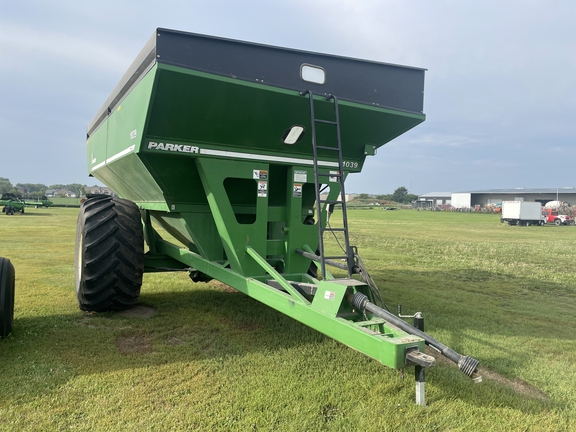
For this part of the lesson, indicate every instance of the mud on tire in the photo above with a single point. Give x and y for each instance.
(109, 254)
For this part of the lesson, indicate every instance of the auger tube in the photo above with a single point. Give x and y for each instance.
(466, 364)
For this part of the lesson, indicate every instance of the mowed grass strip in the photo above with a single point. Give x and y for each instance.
(205, 357)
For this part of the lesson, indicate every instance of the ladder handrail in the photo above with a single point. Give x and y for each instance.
(340, 176)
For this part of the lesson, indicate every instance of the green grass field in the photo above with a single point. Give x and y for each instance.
(66, 202)
(209, 358)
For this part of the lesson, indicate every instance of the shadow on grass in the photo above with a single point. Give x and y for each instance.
(504, 321)
(211, 324)
(32, 213)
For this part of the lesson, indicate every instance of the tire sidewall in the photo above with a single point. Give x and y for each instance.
(100, 256)
(7, 281)
(79, 250)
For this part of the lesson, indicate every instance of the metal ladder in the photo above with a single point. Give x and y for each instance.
(325, 227)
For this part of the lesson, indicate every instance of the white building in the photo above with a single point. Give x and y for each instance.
(486, 197)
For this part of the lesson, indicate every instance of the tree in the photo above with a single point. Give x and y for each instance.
(5, 185)
(32, 189)
(36, 195)
(77, 188)
(399, 194)
(384, 197)
(410, 197)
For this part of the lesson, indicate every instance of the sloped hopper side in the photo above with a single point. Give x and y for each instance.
(198, 118)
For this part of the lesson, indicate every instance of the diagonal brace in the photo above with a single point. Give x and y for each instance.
(277, 276)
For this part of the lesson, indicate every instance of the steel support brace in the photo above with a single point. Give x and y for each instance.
(277, 277)
(309, 250)
(388, 347)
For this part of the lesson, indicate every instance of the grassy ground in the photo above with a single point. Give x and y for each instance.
(66, 202)
(204, 357)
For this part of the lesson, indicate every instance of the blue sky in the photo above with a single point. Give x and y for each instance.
(500, 89)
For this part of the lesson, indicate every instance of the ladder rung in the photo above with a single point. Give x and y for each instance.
(337, 177)
(327, 148)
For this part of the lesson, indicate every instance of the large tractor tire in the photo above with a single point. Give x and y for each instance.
(109, 254)
(6, 296)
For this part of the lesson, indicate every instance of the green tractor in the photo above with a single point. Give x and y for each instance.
(240, 152)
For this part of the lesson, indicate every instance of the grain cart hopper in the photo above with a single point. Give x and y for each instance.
(226, 145)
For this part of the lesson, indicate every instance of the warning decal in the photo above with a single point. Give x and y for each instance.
(262, 188)
(297, 190)
(300, 176)
(260, 174)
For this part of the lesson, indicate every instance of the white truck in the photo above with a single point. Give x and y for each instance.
(522, 213)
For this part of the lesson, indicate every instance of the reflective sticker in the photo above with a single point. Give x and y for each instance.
(329, 295)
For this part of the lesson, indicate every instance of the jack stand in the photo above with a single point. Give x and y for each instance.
(419, 371)
(420, 375)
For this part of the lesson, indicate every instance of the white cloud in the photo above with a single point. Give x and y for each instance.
(21, 46)
(443, 140)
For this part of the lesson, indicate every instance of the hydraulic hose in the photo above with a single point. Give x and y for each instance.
(466, 364)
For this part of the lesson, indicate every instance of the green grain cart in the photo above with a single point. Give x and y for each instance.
(240, 151)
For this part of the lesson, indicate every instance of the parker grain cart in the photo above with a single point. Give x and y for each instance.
(227, 145)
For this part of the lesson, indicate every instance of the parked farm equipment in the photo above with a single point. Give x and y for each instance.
(37, 203)
(11, 204)
(227, 146)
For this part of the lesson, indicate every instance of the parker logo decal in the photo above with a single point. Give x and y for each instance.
(180, 148)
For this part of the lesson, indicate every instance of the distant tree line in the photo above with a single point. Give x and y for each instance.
(400, 195)
(37, 190)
